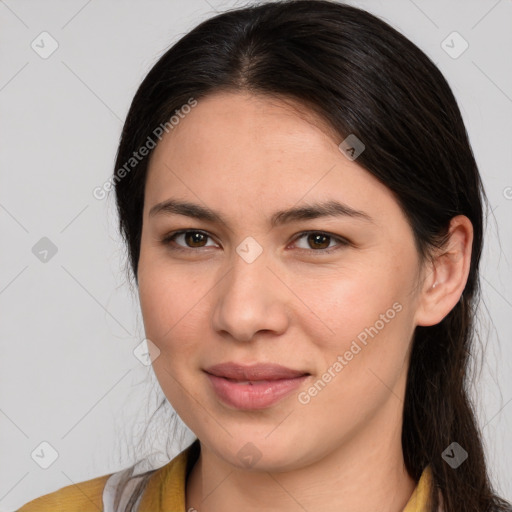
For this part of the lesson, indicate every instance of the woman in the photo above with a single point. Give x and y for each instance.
(303, 217)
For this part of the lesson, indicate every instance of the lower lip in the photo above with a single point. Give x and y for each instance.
(258, 395)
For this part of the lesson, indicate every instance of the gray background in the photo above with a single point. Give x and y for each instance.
(69, 325)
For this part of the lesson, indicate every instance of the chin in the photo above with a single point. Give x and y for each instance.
(253, 451)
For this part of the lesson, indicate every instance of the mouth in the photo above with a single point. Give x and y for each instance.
(253, 387)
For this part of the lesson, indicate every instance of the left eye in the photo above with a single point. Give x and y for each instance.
(318, 241)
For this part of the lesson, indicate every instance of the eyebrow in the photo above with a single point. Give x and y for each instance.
(330, 208)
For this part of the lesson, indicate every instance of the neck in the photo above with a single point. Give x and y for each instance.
(365, 473)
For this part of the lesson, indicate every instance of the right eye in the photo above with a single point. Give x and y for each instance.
(194, 237)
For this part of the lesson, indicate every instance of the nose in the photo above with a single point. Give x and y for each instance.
(250, 299)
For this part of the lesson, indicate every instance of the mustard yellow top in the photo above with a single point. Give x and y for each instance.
(165, 491)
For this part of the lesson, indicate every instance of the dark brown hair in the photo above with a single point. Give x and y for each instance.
(363, 78)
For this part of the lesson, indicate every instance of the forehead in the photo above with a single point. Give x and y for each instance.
(236, 148)
(226, 125)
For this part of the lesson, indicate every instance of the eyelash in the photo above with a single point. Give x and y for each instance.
(171, 237)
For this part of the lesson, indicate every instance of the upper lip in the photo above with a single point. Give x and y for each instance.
(255, 372)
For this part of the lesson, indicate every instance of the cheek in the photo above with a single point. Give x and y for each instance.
(171, 304)
(372, 326)
(351, 302)
(171, 309)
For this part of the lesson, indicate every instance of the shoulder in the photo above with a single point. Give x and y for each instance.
(80, 497)
(163, 489)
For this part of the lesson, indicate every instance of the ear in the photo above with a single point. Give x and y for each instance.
(447, 275)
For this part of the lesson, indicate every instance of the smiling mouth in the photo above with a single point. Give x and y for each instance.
(253, 394)
(254, 372)
(253, 382)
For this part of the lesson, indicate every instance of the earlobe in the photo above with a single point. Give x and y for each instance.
(445, 283)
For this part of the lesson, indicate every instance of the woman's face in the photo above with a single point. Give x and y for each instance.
(335, 306)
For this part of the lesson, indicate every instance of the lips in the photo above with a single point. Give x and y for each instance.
(255, 372)
(253, 387)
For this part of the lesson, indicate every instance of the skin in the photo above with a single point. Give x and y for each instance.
(246, 157)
